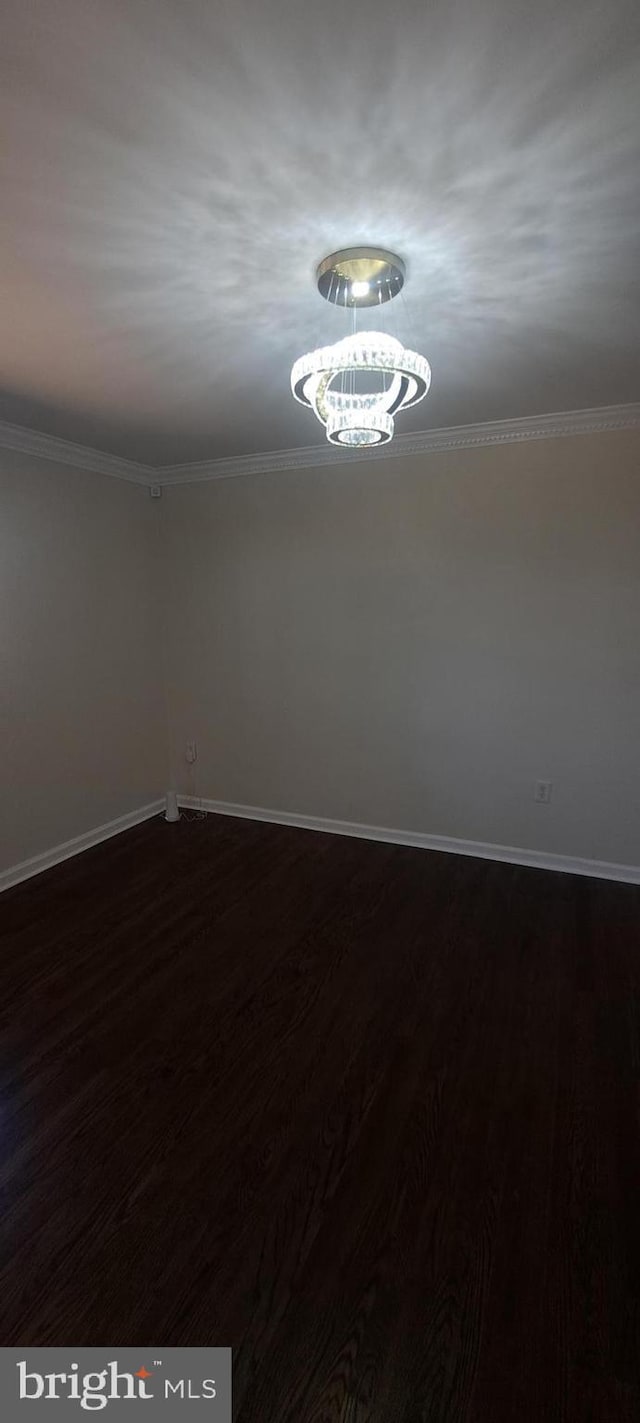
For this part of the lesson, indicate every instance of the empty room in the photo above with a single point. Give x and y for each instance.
(320, 710)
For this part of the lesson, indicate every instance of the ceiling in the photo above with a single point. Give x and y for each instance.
(173, 172)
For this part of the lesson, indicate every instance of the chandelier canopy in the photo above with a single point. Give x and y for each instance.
(356, 386)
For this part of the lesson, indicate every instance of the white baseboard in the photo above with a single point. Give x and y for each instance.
(535, 859)
(48, 858)
(478, 849)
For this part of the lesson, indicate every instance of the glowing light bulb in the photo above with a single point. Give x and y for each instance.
(359, 289)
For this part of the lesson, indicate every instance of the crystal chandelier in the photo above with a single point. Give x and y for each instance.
(357, 386)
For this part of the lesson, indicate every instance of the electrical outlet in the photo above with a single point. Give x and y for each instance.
(543, 792)
(191, 752)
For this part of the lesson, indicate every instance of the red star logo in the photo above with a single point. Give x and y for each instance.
(143, 1373)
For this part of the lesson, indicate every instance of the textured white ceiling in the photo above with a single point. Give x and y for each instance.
(173, 171)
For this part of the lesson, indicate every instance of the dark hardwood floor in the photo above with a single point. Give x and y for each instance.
(368, 1114)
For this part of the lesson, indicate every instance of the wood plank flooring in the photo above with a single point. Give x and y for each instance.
(368, 1114)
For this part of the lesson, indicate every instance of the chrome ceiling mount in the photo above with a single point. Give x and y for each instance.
(360, 276)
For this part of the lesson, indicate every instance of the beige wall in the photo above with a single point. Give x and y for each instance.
(80, 698)
(407, 644)
(412, 644)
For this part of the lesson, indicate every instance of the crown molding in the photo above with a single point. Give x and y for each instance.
(49, 447)
(457, 437)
